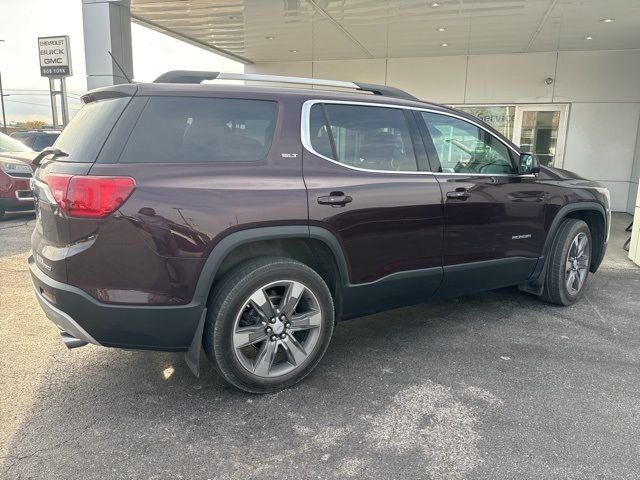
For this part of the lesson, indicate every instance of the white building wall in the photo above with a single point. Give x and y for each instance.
(602, 87)
(635, 176)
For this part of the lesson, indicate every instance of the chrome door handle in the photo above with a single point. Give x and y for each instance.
(336, 199)
(460, 194)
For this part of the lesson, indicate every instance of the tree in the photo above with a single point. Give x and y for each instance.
(34, 124)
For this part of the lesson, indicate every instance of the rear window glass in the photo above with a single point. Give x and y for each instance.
(8, 144)
(83, 138)
(39, 142)
(202, 130)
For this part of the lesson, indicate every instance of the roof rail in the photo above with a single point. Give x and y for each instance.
(194, 76)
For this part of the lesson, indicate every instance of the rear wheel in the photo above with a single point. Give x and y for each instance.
(2, 211)
(270, 322)
(569, 263)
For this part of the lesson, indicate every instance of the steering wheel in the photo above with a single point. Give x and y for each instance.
(482, 168)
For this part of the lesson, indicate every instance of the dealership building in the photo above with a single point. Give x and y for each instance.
(559, 77)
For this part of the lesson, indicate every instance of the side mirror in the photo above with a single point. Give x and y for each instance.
(528, 164)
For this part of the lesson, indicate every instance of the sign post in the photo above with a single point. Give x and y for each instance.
(55, 64)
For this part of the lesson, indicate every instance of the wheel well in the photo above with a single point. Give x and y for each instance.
(313, 253)
(595, 222)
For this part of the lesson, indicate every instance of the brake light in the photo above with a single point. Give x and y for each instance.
(89, 196)
(58, 185)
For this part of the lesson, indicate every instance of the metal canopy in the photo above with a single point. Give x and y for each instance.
(293, 30)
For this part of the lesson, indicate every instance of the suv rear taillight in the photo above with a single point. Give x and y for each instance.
(89, 196)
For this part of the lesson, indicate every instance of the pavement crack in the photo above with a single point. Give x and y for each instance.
(599, 315)
(18, 458)
(15, 226)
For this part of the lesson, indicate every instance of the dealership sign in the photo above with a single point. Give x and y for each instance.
(55, 57)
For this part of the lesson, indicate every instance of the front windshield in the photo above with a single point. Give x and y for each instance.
(8, 144)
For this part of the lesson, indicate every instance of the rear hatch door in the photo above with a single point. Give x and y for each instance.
(58, 235)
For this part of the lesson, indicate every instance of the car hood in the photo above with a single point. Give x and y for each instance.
(24, 157)
(558, 174)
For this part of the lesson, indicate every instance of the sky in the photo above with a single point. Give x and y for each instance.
(23, 21)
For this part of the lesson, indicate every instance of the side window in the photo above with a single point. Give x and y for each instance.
(464, 148)
(41, 142)
(373, 138)
(202, 130)
(320, 140)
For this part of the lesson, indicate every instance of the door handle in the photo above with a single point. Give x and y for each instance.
(335, 199)
(459, 193)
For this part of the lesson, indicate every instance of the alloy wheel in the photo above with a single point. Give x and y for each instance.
(277, 328)
(577, 264)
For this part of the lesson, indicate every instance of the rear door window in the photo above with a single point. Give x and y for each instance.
(202, 130)
(372, 138)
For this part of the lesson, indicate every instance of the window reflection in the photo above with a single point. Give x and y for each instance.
(539, 134)
(500, 117)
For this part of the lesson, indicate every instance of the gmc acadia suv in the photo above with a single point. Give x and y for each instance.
(248, 220)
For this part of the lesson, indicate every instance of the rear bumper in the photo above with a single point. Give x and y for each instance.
(19, 201)
(64, 322)
(124, 326)
(15, 193)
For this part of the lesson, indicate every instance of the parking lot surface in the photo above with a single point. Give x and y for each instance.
(493, 385)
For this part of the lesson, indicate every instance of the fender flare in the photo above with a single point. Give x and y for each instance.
(250, 235)
(242, 237)
(535, 280)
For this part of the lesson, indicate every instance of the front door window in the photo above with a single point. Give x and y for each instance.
(462, 147)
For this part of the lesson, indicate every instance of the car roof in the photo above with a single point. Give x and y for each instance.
(215, 89)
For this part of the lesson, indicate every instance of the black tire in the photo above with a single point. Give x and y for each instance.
(230, 297)
(556, 289)
(2, 212)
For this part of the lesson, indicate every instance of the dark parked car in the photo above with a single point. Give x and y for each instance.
(37, 140)
(15, 173)
(248, 220)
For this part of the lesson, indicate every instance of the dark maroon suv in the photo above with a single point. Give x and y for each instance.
(248, 220)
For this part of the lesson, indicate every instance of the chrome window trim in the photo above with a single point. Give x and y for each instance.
(519, 175)
(24, 199)
(305, 136)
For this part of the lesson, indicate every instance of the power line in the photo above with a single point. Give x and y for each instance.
(73, 96)
(34, 95)
(37, 90)
(37, 104)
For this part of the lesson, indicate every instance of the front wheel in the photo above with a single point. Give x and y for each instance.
(270, 322)
(569, 263)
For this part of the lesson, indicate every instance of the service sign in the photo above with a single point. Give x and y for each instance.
(55, 57)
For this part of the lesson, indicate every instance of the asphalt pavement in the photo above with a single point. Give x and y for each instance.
(496, 385)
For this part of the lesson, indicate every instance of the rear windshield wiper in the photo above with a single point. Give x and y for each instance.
(56, 152)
